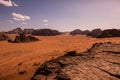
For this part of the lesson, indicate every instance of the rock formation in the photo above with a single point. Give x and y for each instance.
(79, 32)
(101, 62)
(23, 38)
(45, 32)
(86, 32)
(15, 31)
(95, 33)
(76, 32)
(110, 33)
(28, 31)
(3, 37)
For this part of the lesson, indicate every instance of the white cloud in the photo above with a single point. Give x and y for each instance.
(10, 21)
(46, 24)
(45, 21)
(15, 4)
(24, 23)
(19, 17)
(8, 3)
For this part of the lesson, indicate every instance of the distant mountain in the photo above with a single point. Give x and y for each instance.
(110, 33)
(86, 32)
(95, 32)
(16, 31)
(79, 32)
(28, 31)
(45, 32)
(76, 32)
(41, 32)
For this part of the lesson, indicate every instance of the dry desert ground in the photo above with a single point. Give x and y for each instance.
(19, 61)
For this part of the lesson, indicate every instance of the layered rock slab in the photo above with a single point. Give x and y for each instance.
(101, 62)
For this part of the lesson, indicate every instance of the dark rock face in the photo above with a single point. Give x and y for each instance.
(16, 31)
(110, 33)
(79, 32)
(3, 37)
(101, 62)
(45, 32)
(95, 33)
(76, 32)
(86, 32)
(23, 38)
(28, 31)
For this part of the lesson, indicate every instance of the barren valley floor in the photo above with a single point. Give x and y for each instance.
(18, 61)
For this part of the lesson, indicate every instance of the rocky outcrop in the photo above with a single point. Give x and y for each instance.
(101, 62)
(23, 38)
(45, 32)
(28, 31)
(3, 37)
(95, 33)
(76, 32)
(86, 32)
(15, 31)
(110, 33)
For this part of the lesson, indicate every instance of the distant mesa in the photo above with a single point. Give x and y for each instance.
(28, 31)
(45, 32)
(37, 32)
(76, 32)
(95, 32)
(79, 32)
(109, 33)
(23, 38)
(3, 37)
(15, 31)
(86, 32)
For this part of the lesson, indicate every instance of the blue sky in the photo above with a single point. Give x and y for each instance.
(63, 15)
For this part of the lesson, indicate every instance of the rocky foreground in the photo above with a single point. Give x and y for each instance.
(101, 62)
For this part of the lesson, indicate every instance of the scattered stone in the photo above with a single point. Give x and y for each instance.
(22, 72)
(71, 53)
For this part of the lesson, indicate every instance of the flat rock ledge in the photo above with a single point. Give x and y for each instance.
(100, 62)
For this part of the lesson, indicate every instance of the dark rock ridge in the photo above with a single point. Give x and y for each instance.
(86, 32)
(3, 37)
(101, 62)
(76, 32)
(28, 31)
(15, 31)
(110, 33)
(37, 32)
(45, 32)
(23, 38)
(95, 33)
(79, 32)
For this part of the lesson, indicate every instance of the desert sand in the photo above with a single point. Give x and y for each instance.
(19, 61)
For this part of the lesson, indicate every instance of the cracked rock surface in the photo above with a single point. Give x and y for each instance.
(101, 62)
